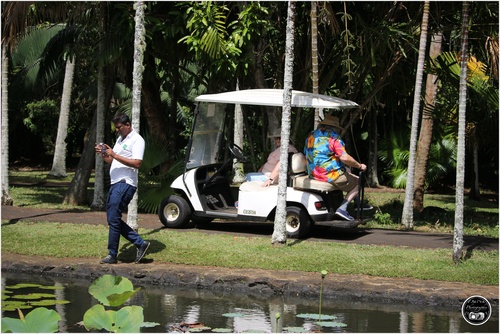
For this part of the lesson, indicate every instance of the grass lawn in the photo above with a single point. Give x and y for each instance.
(481, 218)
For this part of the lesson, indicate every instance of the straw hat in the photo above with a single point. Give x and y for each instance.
(277, 133)
(332, 121)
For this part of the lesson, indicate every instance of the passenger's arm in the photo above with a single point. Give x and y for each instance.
(351, 162)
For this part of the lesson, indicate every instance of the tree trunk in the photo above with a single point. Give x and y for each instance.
(77, 190)
(407, 218)
(239, 173)
(279, 233)
(458, 233)
(6, 199)
(139, 48)
(425, 138)
(318, 114)
(372, 174)
(99, 200)
(475, 191)
(59, 162)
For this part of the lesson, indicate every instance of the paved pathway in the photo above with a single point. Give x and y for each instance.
(360, 235)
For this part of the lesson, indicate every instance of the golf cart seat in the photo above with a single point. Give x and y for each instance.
(300, 178)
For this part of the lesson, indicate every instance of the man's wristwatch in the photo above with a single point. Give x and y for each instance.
(272, 180)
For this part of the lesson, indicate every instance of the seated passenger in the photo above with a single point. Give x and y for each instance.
(328, 161)
(268, 173)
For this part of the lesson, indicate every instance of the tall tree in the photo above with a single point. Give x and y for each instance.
(458, 237)
(99, 200)
(407, 218)
(425, 138)
(138, 70)
(239, 173)
(6, 199)
(59, 160)
(314, 58)
(279, 233)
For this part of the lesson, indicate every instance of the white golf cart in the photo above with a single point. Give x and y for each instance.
(203, 192)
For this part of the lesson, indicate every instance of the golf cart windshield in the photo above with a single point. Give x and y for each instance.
(207, 135)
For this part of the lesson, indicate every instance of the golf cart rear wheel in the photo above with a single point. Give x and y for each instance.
(297, 223)
(174, 212)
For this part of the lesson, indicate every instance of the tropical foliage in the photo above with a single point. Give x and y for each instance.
(366, 51)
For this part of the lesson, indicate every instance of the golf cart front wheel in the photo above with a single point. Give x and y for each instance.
(174, 212)
(297, 223)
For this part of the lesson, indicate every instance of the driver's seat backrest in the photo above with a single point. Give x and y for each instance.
(298, 163)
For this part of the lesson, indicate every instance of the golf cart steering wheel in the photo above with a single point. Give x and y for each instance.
(237, 152)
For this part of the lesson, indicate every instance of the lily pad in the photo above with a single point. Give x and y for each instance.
(199, 329)
(315, 316)
(12, 305)
(222, 330)
(49, 302)
(40, 320)
(23, 285)
(330, 324)
(34, 296)
(112, 290)
(296, 330)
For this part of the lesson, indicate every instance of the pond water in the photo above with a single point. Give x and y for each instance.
(170, 306)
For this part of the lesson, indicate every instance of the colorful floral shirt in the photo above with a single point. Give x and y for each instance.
(323, 150)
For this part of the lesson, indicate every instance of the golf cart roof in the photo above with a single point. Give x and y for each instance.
(274, 97)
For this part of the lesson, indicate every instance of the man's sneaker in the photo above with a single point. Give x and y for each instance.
(109, 260)
(344, 214)
(141, 251)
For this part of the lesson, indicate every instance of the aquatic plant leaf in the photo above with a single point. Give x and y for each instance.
(296, 330)
(222, 330)
(54, 287)
(199, 329)
(49, 302)
(129, 319)
(108, 285)
(118, 299)
(34, 296)
(40, 320)
(12, 305)
(23, 285)
(98, 318)
(151, 324)
(315, 316)
(330, 324)
(233, 315)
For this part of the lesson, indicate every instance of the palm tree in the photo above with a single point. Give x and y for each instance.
(425, 138)
(407, 218)
(279, 233)
(139, 48)
(314, 57)
(59, 161)
(458, 237)
(6, 199)
(99, 200)
(239, 173)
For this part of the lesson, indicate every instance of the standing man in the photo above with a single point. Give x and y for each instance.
(327, 160)
(125, 159)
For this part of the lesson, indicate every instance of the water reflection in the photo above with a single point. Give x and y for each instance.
(171, 306)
